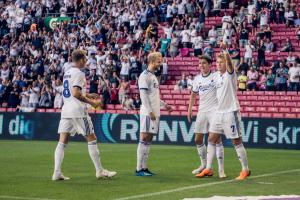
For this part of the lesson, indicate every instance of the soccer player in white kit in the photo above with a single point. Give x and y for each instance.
(149, 112)
(227, 119)
(204, 84)
(75, 118)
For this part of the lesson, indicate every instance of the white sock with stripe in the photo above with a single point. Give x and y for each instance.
(141, 152)
(95, 155)
(59, 156)
(242, 155)
(146, 155)
(202, 154)
(220, 156)
(211, 152)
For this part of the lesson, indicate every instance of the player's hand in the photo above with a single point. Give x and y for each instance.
(190, 116)
(152, 116)
(169, 108)
(96, 103)
(94, 96)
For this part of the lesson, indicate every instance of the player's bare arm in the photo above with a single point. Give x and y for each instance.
(165, 106)
(76, 92)
(190, 108)
(229, 65)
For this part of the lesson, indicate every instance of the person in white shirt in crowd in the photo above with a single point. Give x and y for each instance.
(5, 71)
(190, 81)
(226, 22)
(125, 67)
(185, 36)
(34, 95)
(57, 90)
(164, 71)
(289, 17)
(213, 34)
(197, 44)
(263, 19)
(227, 35)
(290, 59)
(249, 52)
(92, 61)
(127, 103)
(294, 76)
(24, 97)
(251, 11)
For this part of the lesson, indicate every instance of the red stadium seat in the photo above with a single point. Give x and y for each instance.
(290, 115)
(279, 103)
(266, 115)
(58, 110)
(110, 106)
(249, 109)
(272, 109)
(277, 115)
(3, 109)
(291, 104)
(253, 114)
(176, 113)
(295, 110)
(100, 111)
(261, 109)
(41, 110)
(50, 110)
(284, 109)
(244, 114)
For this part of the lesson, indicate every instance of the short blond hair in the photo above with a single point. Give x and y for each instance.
(78, 54)
(152, 57)
(221, 56)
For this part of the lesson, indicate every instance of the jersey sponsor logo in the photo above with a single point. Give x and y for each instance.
(209, 86)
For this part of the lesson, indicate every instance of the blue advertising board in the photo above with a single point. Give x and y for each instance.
(119, 128)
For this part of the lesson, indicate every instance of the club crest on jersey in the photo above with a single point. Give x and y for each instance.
(155, 85)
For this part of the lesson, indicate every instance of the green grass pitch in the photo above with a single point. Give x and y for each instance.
(26, 168)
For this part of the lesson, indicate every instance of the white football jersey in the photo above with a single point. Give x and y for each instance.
(205, 86)
(227, 92)
(148, 81)
(73, 108)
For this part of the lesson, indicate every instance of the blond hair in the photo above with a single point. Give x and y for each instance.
(152, 57)
(78, 54)
(221, 56)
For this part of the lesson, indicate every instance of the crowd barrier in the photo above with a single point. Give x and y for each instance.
(176, 130)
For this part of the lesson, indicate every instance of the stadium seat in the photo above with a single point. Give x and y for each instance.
(254, 114)
(50, 110)
(266, 115)
(277, 115)
(41, 110)
(290, 115)
(3, 109)
(11, 109)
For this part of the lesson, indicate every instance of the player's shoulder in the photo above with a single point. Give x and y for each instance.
(146, 74)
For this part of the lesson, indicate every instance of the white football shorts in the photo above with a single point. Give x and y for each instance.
(83, 126)
(147, 125)
(204, 121)
(228, 124)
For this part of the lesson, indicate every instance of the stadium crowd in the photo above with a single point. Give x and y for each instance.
(118, 35)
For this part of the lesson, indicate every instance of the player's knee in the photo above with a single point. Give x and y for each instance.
(64, 138)
(237, 141)
(91, 137)
(198, 139)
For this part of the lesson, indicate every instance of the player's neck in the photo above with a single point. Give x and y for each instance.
(151, 68)
(205, 74)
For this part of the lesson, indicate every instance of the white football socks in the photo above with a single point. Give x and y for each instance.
(242, 155)
(94, 154)
(220, 156)
(59, 156)
(202, 154)
(141, 149)
(211, 152)
(146, 156)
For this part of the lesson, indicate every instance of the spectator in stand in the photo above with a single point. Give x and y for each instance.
(137, 102)
(24, 96)
(94, 82)
(263, 19)
(235, 55)
(244, 34)
(270, 85)
(281, 77)
(290, 59)
(227, 35)
(261, 57)
(34, 94)
(289, 17)
(190, 81)
(197, 44)
(46, 97)
(57, 91)
(273, 14)
(242, 80)
(127, 103)
(253, 78)
(114, 94)
(164, 71)
(294, 77)
(201, 21)
(14, 99)
(125, 68)
(281, 12)
(226, 22)
(182, 83)
(249, 52)
(288, 46)
(123, 89)
(173, 50)
(212, 35)
(243, 66)
(262, 82)
(269, 46)
(164, 45)
(297, 20)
